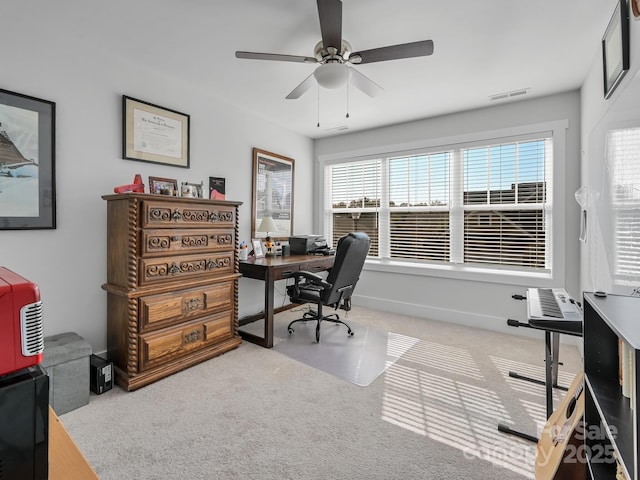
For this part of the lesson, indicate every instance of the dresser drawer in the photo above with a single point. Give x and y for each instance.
(163, 214)
(166, 309)
(183, 240)
(171, 343)
(163, 269)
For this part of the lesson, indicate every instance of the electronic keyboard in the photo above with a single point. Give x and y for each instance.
(553, 309)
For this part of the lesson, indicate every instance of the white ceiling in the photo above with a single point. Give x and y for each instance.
(481, 48)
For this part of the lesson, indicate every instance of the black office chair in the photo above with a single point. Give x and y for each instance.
(351, 253)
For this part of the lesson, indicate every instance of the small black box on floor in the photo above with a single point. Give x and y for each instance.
(101, 374)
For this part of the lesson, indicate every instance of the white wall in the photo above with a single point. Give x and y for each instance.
(43, 56)
(599, 115)
(482, 301)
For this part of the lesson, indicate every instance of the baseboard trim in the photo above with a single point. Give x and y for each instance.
(459, 317)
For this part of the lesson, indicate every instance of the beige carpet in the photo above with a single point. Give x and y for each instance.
(254, 413)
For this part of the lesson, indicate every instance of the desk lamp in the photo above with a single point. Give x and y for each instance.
(268, 225)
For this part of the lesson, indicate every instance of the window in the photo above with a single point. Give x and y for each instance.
(354, 192)
(419, 207)
(624, 162)
(504, 204)
(486, 204)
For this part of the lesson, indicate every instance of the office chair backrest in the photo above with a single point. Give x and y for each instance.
(351, 253)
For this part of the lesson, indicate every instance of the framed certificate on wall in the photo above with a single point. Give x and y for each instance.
(154, 134)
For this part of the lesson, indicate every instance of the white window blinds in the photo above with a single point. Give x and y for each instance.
(355, 199)
(623, 154)
(485, 203)
(504, 203)
(419, 207)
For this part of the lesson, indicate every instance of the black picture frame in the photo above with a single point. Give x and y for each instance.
(154, 134)
(27, 154)
(615, 48)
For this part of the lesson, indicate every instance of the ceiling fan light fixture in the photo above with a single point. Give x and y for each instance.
(331, 75)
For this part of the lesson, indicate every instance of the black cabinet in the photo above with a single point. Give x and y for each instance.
(611, 418)
(24, 424)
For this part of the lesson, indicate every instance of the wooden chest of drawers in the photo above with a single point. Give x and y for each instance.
(172, 284)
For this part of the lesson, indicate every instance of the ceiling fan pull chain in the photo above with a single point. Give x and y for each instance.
(347, 116)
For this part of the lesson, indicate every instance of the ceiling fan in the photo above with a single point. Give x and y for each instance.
(334, 55)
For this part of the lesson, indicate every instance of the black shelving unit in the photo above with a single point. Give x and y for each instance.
(611, 421)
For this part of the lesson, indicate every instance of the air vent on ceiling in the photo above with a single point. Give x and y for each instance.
(340, 128)
(515, 93)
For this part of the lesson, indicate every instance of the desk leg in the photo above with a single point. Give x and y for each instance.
(267, 340)
(268, 309)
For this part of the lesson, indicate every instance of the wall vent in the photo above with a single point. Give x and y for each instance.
(337, 129)
(505, 95)
(518, 92)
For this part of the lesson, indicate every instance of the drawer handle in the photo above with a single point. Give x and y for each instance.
(176, 215)
(175, 239)
(174, 269)
(288, 272)
(192, 337)
(191, 304)
(213, 217)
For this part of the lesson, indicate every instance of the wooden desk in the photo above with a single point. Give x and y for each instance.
(269, 270)
(66, 462)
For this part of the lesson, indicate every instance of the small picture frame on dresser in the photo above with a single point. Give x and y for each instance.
(163, 186)
(191, 190)
(257, 248)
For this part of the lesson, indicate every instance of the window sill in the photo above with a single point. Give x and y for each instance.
(462, 272)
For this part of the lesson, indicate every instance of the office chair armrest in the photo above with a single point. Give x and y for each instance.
(310, 277)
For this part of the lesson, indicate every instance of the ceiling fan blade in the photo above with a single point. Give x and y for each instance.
(275, 56)
(393, 52)
(363, 83)
(297, 92)
(330, 13)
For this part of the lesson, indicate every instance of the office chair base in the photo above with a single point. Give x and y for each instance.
(326, 318)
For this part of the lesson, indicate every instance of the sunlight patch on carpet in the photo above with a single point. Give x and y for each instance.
(456, 413)
(358, 359)
(446, 358)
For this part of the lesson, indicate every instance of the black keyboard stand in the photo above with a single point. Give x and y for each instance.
(551, 352)
(555, 350)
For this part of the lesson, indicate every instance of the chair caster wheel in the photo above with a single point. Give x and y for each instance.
(290, 331)
(351, 334)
